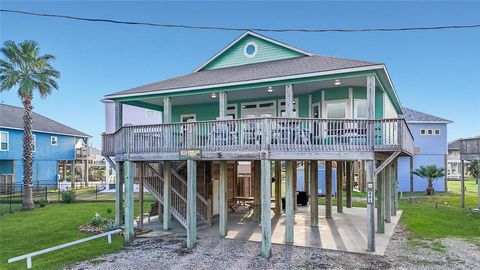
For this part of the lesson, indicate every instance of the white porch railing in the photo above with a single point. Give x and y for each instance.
(263, 134)
(29, 256)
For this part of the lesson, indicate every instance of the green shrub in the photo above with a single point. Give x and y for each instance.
(42, 202)
(110, 226)
(109, 211)
(69, 196)
(97, 220)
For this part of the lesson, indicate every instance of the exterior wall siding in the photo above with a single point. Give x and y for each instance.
(46, 156)
(321, 179)
(431, 150)
(390, 111)
(266, 51)
(131, 115)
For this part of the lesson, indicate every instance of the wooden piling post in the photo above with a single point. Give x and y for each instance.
(462, 184)
(381, 202)
(289, 211)
(129, 173)
(349, 180)
(278, 187)
(370, 181)
(167, 208)
(256, 191)
(388, 193)
(328, 189)
(119, 180)
(306, 176)
(191, 203)
(339, 194)
(140, 193)
(222, 227)
(266, 172)
(313, 193)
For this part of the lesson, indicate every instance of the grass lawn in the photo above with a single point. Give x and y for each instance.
(55, 224)
(440, 215)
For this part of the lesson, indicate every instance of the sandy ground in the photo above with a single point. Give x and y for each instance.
(169, 252)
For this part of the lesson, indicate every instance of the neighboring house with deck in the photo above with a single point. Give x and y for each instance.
(54, 144)
(260, 101)
(430, 148)
(454, 168)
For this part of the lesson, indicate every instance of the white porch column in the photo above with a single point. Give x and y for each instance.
(289, 212)
(222, 103)
(370, 179)
(129, 174)
(266, 209)
(191, 203)
(371, 96)
(167, 110)
(288, 100)
(222, 227)
(167, 209)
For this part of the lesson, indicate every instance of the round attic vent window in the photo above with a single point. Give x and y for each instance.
(250, 49)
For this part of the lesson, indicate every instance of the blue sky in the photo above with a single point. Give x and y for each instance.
(436, 72)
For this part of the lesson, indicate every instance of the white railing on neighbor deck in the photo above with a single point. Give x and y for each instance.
(29, 256)
(263, 134)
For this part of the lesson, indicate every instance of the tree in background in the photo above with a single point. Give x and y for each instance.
(429, 173)
(22, 67)
(473, 167)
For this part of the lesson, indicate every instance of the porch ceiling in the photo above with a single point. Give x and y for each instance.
(260, 93)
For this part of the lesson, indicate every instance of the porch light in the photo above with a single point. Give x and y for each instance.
(337, 82)
(270, 89)
(214, 95)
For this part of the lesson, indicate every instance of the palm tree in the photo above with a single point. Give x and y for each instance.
(430, 173)
(23, 67)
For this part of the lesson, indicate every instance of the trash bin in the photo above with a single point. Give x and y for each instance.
(283, 203)
(302, 198)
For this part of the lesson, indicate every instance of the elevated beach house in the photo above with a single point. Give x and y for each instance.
(260, 101)
(54, 147)
(429, 148)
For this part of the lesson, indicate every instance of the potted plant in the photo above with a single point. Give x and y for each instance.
(430, 173)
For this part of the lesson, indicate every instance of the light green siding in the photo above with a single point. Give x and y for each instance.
(378, 104)
(336, 93)
(203, 112)
(266, 51)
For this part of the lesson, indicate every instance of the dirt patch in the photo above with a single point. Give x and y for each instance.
(403, 252)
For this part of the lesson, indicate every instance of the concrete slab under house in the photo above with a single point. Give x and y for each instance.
(235, 132)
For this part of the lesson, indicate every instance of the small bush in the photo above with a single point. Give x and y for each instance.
(109, 211)
(69, 196)
(42, 202)
(110, 226)
(97, 220)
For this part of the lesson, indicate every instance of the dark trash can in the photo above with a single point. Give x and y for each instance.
(302, 198)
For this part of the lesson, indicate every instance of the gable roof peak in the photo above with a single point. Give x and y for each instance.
(254, 34)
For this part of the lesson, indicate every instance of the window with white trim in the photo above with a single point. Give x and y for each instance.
(53, 140)
(282, 107)
(4, 141)
(361, 108)
(430, 132)
(336, 109)
(149, 114)
(188, 118)
(232, 110)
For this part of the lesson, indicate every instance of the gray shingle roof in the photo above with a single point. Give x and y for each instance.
(257, 71)
(455, 145)
(12, 117)
(416, 116)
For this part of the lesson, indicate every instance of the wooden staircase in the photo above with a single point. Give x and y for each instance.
(153, 181)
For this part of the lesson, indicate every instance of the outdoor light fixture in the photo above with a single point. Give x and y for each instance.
(214, 95)
(337, 82)
(269, 89)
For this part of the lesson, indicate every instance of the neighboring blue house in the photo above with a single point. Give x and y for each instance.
(54, 143)
(430, 147)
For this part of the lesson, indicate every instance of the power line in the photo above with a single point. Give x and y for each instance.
(184, 26)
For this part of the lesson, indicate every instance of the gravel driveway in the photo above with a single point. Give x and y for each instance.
(169, 252)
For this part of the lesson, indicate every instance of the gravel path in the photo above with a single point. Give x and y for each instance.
(169, 252)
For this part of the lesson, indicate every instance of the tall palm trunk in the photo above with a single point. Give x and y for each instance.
(27, 203)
